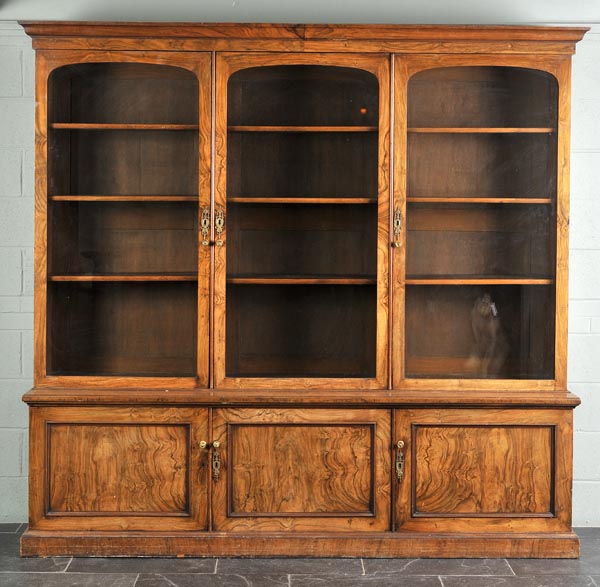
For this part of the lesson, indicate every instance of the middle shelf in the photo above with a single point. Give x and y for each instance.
(300, 280)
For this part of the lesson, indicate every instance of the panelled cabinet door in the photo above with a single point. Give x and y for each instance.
(301, 200)
(301, 470)
(483, 470)
(119, 469)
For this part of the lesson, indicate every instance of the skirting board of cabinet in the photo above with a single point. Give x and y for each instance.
(377, 545)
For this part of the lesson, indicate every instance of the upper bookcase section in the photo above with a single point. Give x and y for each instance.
(303, 37)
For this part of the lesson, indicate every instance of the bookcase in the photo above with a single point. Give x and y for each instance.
(301, 290)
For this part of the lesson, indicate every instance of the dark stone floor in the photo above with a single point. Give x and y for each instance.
(156, 572)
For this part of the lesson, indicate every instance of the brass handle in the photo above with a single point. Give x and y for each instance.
(397, 225)
(216, 460)
(400, 460)
(219, 226)
(202, 444)
(205, 226)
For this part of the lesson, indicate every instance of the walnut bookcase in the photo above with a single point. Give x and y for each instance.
(301, 290)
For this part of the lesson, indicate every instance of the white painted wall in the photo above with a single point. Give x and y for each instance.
(16, 232)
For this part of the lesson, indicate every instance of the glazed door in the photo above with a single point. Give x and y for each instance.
(482, 202)
(126, 279)
(483, 470)
(302, 221)
(301, 469)
(119, 469)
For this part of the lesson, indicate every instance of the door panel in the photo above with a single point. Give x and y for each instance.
(124, 185)
(477, 270)
(469, 470)
(302, 470)
(114, 469)
(301, 276)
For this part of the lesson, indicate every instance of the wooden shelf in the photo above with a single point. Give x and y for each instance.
(114, 126)
(78, 198)
(278, 200)
(288, 280)
(492, 280)
(126, 277)
(480, 200)
(246, 128)
(482, 130)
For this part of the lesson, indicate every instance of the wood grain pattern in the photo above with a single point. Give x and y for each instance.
(310, 38)
(176, 395)
(481, 130)
(297, 128)
(482, 470)
(284, 469)
(300, 469)
(268, 544)
(118, 469)
(524, 455)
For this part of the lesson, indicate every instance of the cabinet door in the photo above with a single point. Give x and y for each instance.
(484, 470)
(302, 469)
(123, 189)
(302, 199)
(479, 276)
(118, 469)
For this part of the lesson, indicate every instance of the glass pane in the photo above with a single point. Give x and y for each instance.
(301, 330)
(303, 95)
(301, 240)
(277, 164)
(480, 331)
(99, 238)
(145, 329)
(123, 162)
(481, 165)
(481, 217)
(122, 207)
(125, 93)
(482, 97)
(301, 235)
(480, 240)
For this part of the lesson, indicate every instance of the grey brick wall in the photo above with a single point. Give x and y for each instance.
(16, 270)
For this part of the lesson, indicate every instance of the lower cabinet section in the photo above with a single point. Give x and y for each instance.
(118, 468)
(380, 481)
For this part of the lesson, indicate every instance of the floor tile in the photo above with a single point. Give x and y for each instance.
(15, 564)
(143, 565)
(588, 564)
(534, 581)
(289, 566)
(11, 561)
(366, 581)
(168, 580)
(9, 528)
(66, 580)
(587, 532)
(438, 567)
